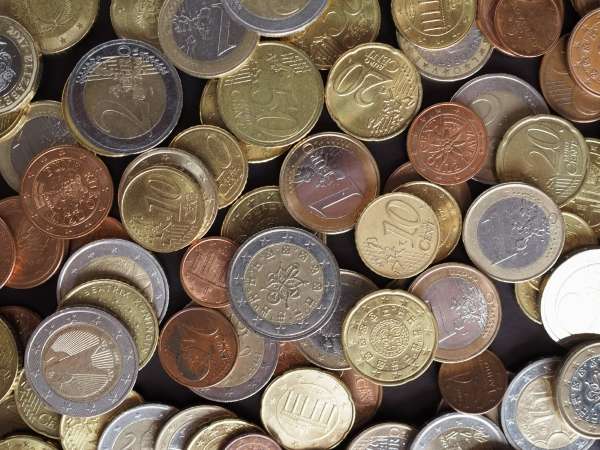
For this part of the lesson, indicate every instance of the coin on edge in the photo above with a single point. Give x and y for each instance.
(386, 435)
(252, 442)
(136, 19)
(216, 434)
(584, 61)
(24, 441)
(10, 359)
(366, 395)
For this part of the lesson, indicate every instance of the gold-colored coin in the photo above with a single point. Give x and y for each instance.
(34, 412)
(398, 235)
(528, 298)
(547, 152)
(373, 92)
(275, 99)
(434, 24)
(10, 360)
(343, 25)
(221, 153)
(136, 19)
(10, 419)
(216, 435)
(578, 233)
(125, 303)
(390, 337)
(10, 121)
(324, 420)
(446, 209)
(23, 441)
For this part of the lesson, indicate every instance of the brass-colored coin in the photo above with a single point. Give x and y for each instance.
(578, 233)
(373, 92)
(274, 99)
(221, 153)
(398, 235)
(343, 25)
(390, 337)
(36, 414)
(10, 420)
(434, 24)
(215, 435)
(446, 210)
(24, 441)
(10, 360)
(528, 298)
(546, 151)
(136, 19)
(125, 303)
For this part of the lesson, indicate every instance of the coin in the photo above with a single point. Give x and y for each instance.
(327, 180)
(215, 435)
(110, 228)
(366, 395)
(513, 232)
(123, 97)
(74, 345)
(138, 424)
(289, 100)
(289, 358)
(221, 154)
(136, 19)
(390, 337)
(284, 283)
(274, 17)
(584, 62)
(324, 347)
(485, 21)
(33, 410)
(22, 321)
(10, 360)
(9, 249)
(324, 419)
(585, 6)
(23, 441)
(252, 442)
(466, 306)
(578, 233)
(529, 416)
(500, 100)
(397, 235)
(373, 91)
(198, 347)
(384, 435)
(528, 298)
(10, 420)
(10, 121)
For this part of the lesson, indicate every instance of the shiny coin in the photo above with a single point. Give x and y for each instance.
(397, 235)
(578, 233)
(23, 441)
(528, 298)
(123, 97)
(584, 61)
(289, 100)
(33, 410)
(390, 337)
(110, 228)
(10, 420)
(466, 306)
(290, 358)
(284, 283)
(253, 442)
(585, 6)
(388, 435)
(10, 121)
(366, 395)
(22, 321)
(513, 232)
(136, 19)
(327, 180)
(8, 248)
(73, 345)
(215, 435)
(373, 92)
(325, 419)
(500, 100)
(9, 359)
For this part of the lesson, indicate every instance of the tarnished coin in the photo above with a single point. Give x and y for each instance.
(583, 59)
(324, 420)
(327, 180)
(578, 233)
(585, 6)
(136, 19)
(466, 306)
(388, 435)
(529, 416)
(528, 298)
(513, 232)
(10, 359)
(390, 337)
(397, 235)
(23, 322)
(284, 283)
(373, 92)
(36, 414)
(500, 100)
(110, 228)
(253, 442)
(215, 435)
(76, 344)
(324, 347)
(290, 358)
(366, 395)
(485, 21)
(24, 441)
(8, 248)
(10, 420)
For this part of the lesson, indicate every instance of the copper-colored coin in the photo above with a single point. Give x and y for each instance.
(528, 28)
(583, 55)
(110, 228)
(66, 192)
(253, 442)
(203, 271)
(38, 255)
(447, 143)
(198, 347)
(22, 320)
(8, 250)
(366, 395)
(289, 358)
(485, 23)
(475, 386)
(585, 6)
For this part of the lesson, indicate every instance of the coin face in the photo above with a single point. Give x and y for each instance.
(9, 121)
(529, 298)
(397, 235)
(26, 442)
(390, 337)
(7, 247)
(215, 435)
(10, 419)
(327, 180)
(110, 228)
(136, 19)
(366, 395)
(373, 92)
(275, 98)
(253, 442)
(9, 359)
(81, 361)
(323, 422)
(385, 435)
(284, 283)
(583, 61)
(36, 414)
(22, 321)
(513, 232)
(485, 21)
(578, 233)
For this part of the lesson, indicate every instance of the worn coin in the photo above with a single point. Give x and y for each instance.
(36, 414)
(387, 435)
(214, 436)
(10, 359)
(24, 441)
(585, 6)
(528, 298)
(584, 61)
(10, 420)
(110, 228)
(252, 442)
(290, 358)
(136, 19)
(366, 395)
(23, 322)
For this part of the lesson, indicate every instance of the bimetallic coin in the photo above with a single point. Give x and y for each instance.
(10, 420)
(290, 358)
(24, 441)
(10, 359)
(110, 228)
(284, 283)
(136, 19)
(373, 91)
(388, 435)
(584, 61)
(585, 6)
(22, 321)
(324, 420)
(513, 232)
(366, 395)
(253, 442)
(215, 435)
(81, 361)
(529, 298)
(390, 337)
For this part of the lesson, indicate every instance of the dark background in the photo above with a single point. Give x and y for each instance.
(519, 340)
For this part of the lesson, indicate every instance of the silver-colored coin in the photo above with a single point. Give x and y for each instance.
(120, 260)
(529, 416)
(81, 361)
(388, 436)
(324, 347)
(284, 283)
(457, 430)
(136, 428)
(500, 100)
(275, 17)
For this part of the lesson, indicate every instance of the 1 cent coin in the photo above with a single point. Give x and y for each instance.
(9, 251)
(583, 55)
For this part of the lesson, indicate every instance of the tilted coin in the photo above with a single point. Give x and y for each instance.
(290, 358)
(578, 233)
(10, 420)
(10, 121)
(485, 21)
(24, 441)
(36, 414)
(366, 395)
(513, 232)
(528, 298)
(284, 283)
(10, 359)
(110, 228)
(373, 91)
(585, 6)
(307, 408)
(215, 435)
(390, 337)
(136, 19)
(584, 62)
(252, 442)
(384, 435)
(23, 322)
(8, 248)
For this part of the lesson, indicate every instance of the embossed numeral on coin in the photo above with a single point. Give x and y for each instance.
(362, 83)
(167, 197)
(337, 19)
(545, 143)
(403, 220)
